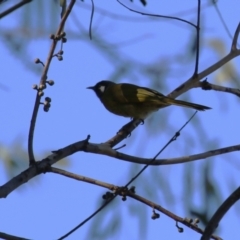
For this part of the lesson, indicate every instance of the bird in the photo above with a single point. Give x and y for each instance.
(129, 100)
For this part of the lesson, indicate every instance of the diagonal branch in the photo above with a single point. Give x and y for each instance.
(124, 132)
(184, 221)
(11, 237)
(235, 39)
(40, 167)
(88, 180)
(193, 81)
(128, 192)
(219, 214)
(13, 8)
(82, 178)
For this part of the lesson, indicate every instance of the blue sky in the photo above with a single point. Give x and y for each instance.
(50, 205)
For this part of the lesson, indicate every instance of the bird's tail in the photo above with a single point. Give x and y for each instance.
(187, 104)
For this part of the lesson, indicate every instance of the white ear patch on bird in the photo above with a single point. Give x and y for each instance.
(102, 88)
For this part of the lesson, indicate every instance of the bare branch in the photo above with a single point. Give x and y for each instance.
(205, 85)
(124, 132)
(218, 215)
(106, 150)
(10, 237)
(175, 136)
(198, 39)
(93, 181)
(87, 219)
(13, 8)
(222, 19)
(91, 20)
(41, 167)
(193, 81)
(82, 178)
(168, 213)
(157, 15)
(43, 82)
(88, 180)
(235, 39)
(126, 192)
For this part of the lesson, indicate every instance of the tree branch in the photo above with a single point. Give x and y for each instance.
(43, 82)
(126, 192)
(171, 215)
(218, 215)
(197, 39)
(104, 149)
(193, 81)
(40, 167)
(13, 8)
(124, 132)
(10, 237)
(82, 178)
(205, 85)
(157, 15)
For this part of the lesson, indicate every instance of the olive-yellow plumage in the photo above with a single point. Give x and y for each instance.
(130, 100)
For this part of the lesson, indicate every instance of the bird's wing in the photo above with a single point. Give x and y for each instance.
(129, 93)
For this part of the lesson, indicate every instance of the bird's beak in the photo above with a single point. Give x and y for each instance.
(90, 88)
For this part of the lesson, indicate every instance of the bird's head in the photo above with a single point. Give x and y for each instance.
(100, 87)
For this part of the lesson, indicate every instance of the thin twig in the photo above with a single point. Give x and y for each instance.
(168, 213)
(109, 14)
(193, 82)
(87, 219)
(88, 180)
(222, 20)
(156, 15)
(123, 132)
(13, 8)
(162, 149)
(118, 148)
(91, 20)
(198, 39)
(205, 85)
(235, 40)
(41, 167)
(171, 161)
(82, 178)
(128, 193)
(135, 19)
(42, 82)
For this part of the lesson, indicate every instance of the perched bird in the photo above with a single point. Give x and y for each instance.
(129, 100)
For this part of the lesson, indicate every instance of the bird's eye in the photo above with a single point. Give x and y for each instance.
(102, 88)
